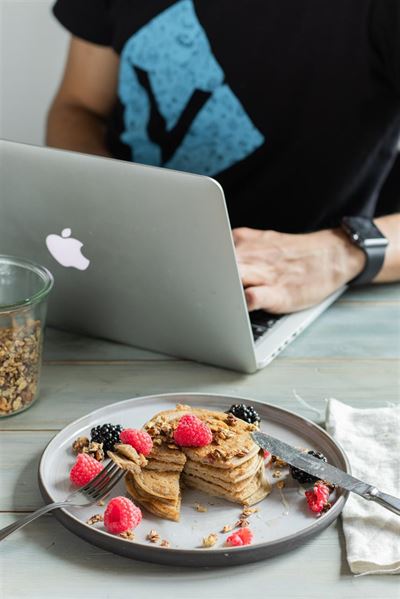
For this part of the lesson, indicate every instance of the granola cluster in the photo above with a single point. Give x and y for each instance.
(210, 540)
(155, 538)
(20, 357)
(161, 431)
(243, 521)
(83, 445)
(129, 535)
(278, 462)
(95, 519)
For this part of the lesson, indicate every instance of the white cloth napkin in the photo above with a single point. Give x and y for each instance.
(371, 439)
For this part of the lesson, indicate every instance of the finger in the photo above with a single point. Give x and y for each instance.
(267, 298)
(244, 234)
(252, 274)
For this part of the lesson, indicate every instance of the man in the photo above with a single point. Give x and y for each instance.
(294, 106)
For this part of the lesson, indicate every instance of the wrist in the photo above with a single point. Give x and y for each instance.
(347, 260)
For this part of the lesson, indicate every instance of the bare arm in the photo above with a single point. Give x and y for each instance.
(77, 116)
(284, 273)
(390, 227)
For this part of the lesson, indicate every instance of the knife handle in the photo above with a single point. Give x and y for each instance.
(388, 501)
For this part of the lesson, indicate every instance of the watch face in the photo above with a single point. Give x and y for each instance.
(363, 231)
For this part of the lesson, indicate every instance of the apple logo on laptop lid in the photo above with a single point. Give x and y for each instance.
(66, 250)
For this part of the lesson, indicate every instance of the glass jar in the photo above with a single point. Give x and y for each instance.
(24, 289)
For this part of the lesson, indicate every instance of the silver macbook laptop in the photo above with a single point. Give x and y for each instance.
(140, 255)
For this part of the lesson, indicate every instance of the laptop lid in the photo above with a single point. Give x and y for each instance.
(140, 255)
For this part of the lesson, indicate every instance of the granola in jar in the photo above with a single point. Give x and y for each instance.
(20, 360)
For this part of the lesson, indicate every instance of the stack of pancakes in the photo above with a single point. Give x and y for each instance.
(231, 467)
(156, 487)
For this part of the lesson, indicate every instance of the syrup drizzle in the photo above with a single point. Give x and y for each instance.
(284, 502)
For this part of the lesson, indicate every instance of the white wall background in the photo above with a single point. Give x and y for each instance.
(32, 52)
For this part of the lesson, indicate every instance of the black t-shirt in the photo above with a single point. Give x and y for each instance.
(294, 106)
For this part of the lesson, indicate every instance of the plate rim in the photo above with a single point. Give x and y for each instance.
(319, 524)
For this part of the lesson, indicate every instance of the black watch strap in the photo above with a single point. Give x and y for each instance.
(363, 233)
(375, 258)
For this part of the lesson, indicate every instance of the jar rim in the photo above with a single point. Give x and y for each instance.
(44, 274)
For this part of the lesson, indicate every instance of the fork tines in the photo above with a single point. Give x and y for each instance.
(103, 482)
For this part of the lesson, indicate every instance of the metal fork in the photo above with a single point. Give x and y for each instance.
(94, 491)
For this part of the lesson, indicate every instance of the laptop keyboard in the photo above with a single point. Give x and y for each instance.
(262, 322)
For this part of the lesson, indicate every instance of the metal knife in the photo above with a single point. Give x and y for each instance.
(325, 471)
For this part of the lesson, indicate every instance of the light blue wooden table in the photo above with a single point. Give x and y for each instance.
(351, 353)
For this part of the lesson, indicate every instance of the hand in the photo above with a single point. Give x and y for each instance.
(283, 273)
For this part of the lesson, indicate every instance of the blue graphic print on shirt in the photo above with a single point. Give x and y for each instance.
(178, 112)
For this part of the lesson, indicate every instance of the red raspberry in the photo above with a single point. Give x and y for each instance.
(140, 440)
(244, 536)
(192, 432)
(84, 469)
(266, 454)
(121, 515)
(317, 498)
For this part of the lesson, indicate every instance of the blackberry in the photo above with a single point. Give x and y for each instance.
(246, 413)
(108, 434)
(301, 476)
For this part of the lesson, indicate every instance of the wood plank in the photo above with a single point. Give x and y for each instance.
(44, 560)
(373, 293)
(356, 330)
(70, 391)
(349, 328)
(63, 345)
(19, 461)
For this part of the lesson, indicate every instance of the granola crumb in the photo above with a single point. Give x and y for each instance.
(79, 444)
(165, 543)
(280, 484)
(330, 486)
(182, 406)
(278, 462)
(153, 536)
(230, 419)
(216, 454)
(210, 540)
(129, 535)
(228, 527)
(276, 474)
(242, 523)
(241, 453)
(94, 519)
(200, 507)
(95, 450)
(101, 502)
(248, 511)
(326, 507)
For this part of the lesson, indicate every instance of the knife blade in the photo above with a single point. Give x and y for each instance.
(324, 471)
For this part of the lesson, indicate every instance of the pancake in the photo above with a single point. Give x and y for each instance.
(257, 488)
(233, 475)
(166, 454)
(212, 475)
(127, 458)
(231, 466)
(164, 485)
(161, 466)
(232, 444)
(162, 509)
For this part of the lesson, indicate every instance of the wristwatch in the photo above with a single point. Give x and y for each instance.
(365, 234)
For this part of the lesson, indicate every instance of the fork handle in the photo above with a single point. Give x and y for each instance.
(4, 532)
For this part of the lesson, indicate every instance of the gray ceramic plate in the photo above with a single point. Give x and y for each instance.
(282, 523)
